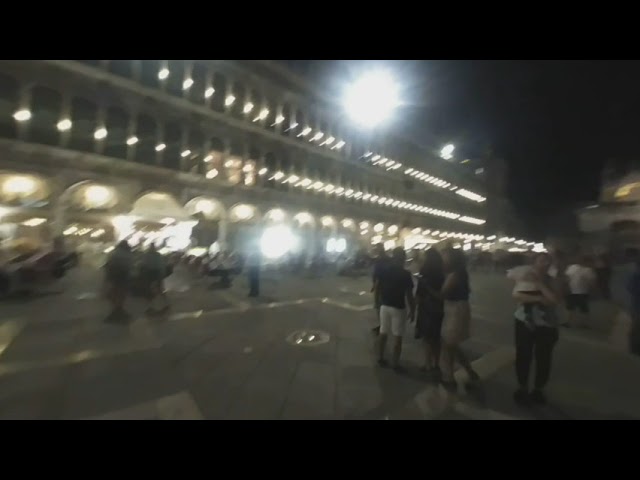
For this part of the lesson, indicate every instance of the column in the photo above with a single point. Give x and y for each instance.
(136, 70)
(159, 140)
(188, 75)
(131, 132)
(228, 90)
(223, 225)
(24, 102)
(184, 145)
(279, 110)
(163, 81)
(100, 123)
(65, 113)
(208, 84)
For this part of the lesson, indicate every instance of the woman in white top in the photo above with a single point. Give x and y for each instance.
(536, 331)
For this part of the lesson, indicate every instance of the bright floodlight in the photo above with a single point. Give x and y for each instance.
(277, 241)
(447, 152)
(372, 99)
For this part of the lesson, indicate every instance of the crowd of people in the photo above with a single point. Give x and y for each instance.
(439, 306)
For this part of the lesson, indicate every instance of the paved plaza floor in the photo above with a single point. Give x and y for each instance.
(303, 350)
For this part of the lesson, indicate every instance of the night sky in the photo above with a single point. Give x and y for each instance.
(554, 122)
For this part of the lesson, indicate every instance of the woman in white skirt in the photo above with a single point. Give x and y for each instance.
(456, 325)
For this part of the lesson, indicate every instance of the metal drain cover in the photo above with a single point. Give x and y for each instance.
(308, 338)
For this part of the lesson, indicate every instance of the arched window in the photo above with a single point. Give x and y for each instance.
(149, 73)
(117, 124)
(197, 90)
(46, 106)
(147, 133)
(176, 77)
(193, 162)
(8, 105)
(219, 85)
(173, 140)
(239, 91)
(84, 115)
(122, 68)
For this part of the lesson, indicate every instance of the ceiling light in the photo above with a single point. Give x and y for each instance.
(279, 120)
(247, 107)
(186, 85)
(229, 100)
(132, 140)
(64, 125)
(22, 115)
(100, 133)
(163, 74)
(208, 93)
(160, 147)
(185, 153)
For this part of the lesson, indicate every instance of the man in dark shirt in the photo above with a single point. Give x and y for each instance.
(395, 287)
(379, 263)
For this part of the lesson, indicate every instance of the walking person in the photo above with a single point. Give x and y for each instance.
(253, 272)
(430, 310)
(153, 270)
(395, 286)
(456, 323)
(379, 262)
(536, 331)
(582, 279)
(117, 278)
(603, 275)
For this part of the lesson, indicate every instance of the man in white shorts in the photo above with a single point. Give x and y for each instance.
(396, 290)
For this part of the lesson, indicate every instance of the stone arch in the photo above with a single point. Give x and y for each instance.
(156, 205)
(209, 208)
(23, 189)
(93, 195)
(244, 212)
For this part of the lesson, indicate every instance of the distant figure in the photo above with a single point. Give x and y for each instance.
(379, 262)
(430, 310)
(395, 287)
(153, 270)
(603, 275)
(117, 277)
(633, 287)
(456, 324)
(536, 331)
(253, 272)
(581, 279)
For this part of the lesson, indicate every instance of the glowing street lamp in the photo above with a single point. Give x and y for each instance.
(447, 152)
(372, 99)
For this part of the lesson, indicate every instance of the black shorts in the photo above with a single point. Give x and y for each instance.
(578, 301)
